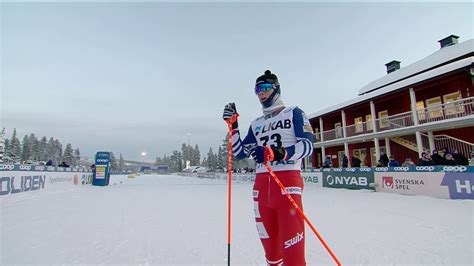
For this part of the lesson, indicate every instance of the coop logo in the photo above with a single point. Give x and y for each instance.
(425, 168)
(25, 167)
(455, 169)
(350, 170)
(7, 167)
(404, 169)
(39, 168)
(102, 160)
(387, 182)
(365, 169)
(381, 169)
(51, 168)
(295, 240)
(460, 185)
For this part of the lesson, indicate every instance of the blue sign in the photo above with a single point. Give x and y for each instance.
(460, 185)
(101, 175)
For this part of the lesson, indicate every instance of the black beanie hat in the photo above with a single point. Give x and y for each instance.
(269, 78)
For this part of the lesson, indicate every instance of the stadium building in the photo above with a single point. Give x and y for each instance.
(424, 106)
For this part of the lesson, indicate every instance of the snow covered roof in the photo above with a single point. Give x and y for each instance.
(412, 74)
(439, 57)
(404, 83)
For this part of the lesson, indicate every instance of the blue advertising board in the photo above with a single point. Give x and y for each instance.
(101, 176)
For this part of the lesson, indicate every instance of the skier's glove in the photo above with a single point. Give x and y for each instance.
(263, 154)
(230, 115)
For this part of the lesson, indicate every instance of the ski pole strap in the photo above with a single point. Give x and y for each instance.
(301, 213)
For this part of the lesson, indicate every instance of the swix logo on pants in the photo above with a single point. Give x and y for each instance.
(294, 240)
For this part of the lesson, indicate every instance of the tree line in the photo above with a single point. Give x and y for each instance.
(214, 161)
(32, 149)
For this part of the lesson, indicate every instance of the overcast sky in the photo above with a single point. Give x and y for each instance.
(133, 77)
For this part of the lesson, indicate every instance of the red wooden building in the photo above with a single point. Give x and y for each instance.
(421, 107)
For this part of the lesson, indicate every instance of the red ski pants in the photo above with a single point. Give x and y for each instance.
(279, 226)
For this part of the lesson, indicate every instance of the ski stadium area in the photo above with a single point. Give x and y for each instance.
(182, 220)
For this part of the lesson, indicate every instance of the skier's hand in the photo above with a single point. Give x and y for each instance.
(279, 153)
(262, 154)
(230, 115)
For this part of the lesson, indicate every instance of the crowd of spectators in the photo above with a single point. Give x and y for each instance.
(441, 157)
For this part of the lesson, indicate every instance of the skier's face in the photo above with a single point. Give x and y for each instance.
(262, 96)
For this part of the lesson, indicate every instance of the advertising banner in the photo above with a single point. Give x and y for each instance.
(313, 178)
(102, 169)
(13, 182)
(361, 178)
(448, 185)
(40, 168)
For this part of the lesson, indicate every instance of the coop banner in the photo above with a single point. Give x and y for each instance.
(449, 185)
(14, 182)
(40, 168)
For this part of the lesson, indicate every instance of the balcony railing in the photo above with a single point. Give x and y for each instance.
(395, 121)
(449, 110)
(454, 109)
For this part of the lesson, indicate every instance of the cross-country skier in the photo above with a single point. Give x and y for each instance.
(285, 133)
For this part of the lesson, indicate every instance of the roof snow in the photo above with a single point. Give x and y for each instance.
(410, 74)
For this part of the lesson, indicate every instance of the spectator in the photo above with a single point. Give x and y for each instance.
(449, 160)
(63, 164)
(384, 159)
(327, 162)
(408, 163)
(345, 161)
(49, 162)
(437, 159)
(392, 162)
(444, 151)
(380, 163)
(425, 160)
(355, 161)
(460, 158)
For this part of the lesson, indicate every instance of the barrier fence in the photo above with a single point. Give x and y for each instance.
(450, 182)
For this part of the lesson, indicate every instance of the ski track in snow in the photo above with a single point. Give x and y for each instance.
(174, 220)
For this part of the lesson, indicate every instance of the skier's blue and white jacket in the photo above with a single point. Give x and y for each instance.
(289, 129)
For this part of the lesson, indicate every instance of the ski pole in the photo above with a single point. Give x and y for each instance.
(229, 191)
(301, 213)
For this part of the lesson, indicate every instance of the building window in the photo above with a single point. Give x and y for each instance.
(420, 109)
(358, 125)
(368, 121)
(434, 107)
(338, 128)
(383, 119)
(450, 107)
(316, 134)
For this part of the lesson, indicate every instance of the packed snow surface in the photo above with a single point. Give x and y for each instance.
(175, 220)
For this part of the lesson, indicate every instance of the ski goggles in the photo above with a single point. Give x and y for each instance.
(264, 87)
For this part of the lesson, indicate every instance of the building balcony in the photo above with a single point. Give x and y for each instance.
(427, 117)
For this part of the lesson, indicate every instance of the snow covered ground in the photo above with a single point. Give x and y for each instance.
(174, 220)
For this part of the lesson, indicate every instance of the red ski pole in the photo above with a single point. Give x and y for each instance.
(229, 191)
(301, 213)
